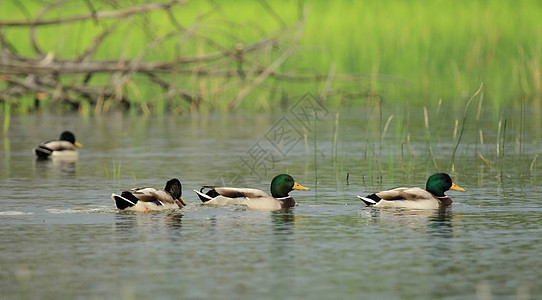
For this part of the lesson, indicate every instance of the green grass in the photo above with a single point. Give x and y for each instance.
(411, 51)
(7, 116)
(114, 173)
(442, 49)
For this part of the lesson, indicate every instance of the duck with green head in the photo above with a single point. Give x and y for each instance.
(65, 147)
(281, 186)
(432, 197)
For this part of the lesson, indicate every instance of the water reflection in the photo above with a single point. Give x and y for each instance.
(283, 252)
(440, 243)
(440, 223)
(173, 220)
(63, 166)
(124, 222)
(152, 223)
(283, 221)
(414, 218)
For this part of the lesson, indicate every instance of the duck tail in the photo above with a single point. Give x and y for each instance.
(372, 199)
(43, 152)
(204, 197)
(125, 200)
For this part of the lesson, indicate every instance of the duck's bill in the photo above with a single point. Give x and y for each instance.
(297, 186)
(182, 201)
(78, 145)
(456, 188)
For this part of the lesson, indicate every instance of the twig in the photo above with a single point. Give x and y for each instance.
(98, 15)
(452, 160)
(329, 81)
(97, 42)
(287, 53)
(273, 13)
(231, 62)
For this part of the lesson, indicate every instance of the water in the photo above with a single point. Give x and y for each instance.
(61, 236)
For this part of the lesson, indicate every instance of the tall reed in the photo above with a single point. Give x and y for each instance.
(7, 116)
(115, 171)
(465, 114)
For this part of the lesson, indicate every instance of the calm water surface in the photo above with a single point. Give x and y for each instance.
(61, 236)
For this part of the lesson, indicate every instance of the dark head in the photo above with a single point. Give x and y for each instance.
(175, 189)
(69, 137)
(282, 184)
(439, 183)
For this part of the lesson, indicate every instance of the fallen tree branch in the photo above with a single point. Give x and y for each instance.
(207, 59)
(272, 68)
(94, 15)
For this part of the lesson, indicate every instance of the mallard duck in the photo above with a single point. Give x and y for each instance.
(414, 197)
(145, 199)
(66, 146)
(281, 185)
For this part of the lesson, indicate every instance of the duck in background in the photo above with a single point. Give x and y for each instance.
(65, 147)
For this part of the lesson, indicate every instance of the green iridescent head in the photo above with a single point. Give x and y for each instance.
(439, 183)
(282, 184)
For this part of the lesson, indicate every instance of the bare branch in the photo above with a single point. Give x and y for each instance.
(273, 13)
(97, 41)
(272, 68)
(209, 58)
(98, 15)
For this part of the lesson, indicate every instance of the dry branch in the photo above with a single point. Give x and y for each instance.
(94, 15)
(185, 76)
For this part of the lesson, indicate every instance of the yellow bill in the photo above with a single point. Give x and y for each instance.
(456, 188)
(182, 201)
(78, 145)
(297, 186)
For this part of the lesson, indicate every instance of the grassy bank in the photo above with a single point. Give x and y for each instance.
(441, 49)
(408, 51)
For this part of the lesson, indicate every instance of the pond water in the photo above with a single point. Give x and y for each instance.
(61, 236)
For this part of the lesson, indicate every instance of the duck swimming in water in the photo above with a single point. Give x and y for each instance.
(65, 147)
(146, 199)
(281, 185)
(432, 197)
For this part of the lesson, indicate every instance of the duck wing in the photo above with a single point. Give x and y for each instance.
(58, 145)
(145, 195)
(163, 197)
(241, 193)
(122, 202)
(251, 198)
(42, 151)
(404, 193)
(152, 195)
